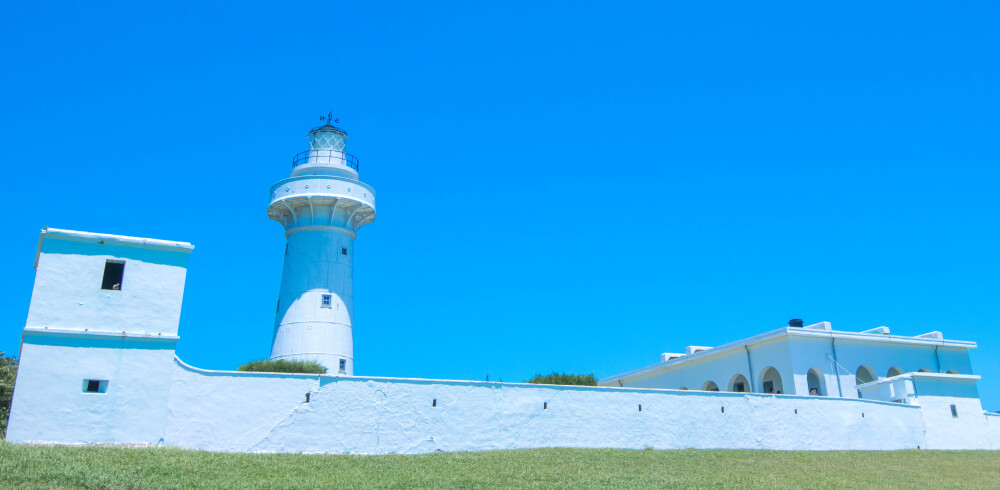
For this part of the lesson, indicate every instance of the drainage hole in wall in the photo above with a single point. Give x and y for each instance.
(796, 411)
(862, 415)
(640, 407)
(723, 409)
(434, 402)
(307, 397)
(545, 405)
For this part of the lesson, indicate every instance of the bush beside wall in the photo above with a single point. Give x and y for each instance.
(8, 373)
(564, 379)
(283, 366)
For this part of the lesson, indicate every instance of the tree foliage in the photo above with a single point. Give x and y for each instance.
(8, 373)
(283, 366)
(564, 379)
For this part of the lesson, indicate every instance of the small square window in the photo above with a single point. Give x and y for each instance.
(327, 300)
(954, 411)
(114, 271)
(95, 386)
(343, 365)
(343, 251)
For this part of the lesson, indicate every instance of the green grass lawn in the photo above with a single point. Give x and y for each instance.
(102, 467)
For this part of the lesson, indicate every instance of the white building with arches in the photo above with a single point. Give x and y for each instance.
(814, 360)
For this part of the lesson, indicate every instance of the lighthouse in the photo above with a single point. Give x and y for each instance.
(321, 207)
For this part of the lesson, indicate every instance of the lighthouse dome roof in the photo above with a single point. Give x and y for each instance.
(328, 128)
(327, 137)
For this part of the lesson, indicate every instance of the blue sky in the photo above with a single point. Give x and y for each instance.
(571, 186)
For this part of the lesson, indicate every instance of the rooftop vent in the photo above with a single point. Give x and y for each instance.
(669, 356)
(691, 349)
(825, 326)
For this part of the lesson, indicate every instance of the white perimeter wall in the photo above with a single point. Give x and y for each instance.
(993, 429)
(153, 398)
(268, 413)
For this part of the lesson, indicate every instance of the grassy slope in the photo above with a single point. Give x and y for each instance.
(543, 468)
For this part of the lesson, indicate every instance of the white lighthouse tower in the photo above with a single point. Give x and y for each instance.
(321, 206)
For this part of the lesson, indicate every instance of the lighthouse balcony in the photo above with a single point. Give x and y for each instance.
(325, 158)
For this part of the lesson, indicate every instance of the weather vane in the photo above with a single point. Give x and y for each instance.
(328, 118)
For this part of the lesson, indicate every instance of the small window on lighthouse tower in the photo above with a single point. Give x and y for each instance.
(343, 251)
(114, 270)
(327, 300)
(343, 365)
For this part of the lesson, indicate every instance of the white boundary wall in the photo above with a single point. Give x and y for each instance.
(229, 411)
(154, 398)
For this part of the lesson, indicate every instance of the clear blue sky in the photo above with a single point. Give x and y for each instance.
(571, 187)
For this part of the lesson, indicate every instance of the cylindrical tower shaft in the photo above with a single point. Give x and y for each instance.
(321, 207)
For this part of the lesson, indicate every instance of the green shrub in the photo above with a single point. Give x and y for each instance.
(283, 366)
(564, 379)
(8, 373)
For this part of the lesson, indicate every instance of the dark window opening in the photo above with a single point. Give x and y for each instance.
(954, 411)
(114, 270)
(343, 365)
(95, 385)
(327, 300)
(434, 402)
(640, 408)
(343, 251)
(545, 405)
(738, 387)
(307, 397)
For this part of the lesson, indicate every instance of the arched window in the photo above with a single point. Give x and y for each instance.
(814, 379)
(710, 386)
(863, 375)
(770, 381)
(739, 384)
(894, 371)
(952, 371)
(925, 370)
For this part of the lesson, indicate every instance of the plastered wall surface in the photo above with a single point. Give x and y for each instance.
(268, 413)
(50, 405)
(993, 430)
(68, 295)
(154, 398)
(944, 431)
